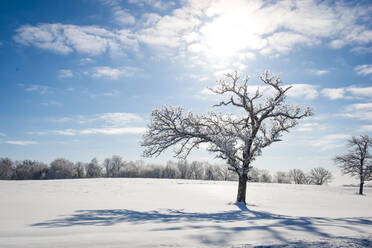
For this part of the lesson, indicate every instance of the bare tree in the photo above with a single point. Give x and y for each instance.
(320, 176)
(298, 176)
(358, 161)
(237, 138)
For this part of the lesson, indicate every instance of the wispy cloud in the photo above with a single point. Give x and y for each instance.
(105, 124)
(319, 72)
(307, 91)
(233, 28)
(114, 73)
(91, 131)
(64, 73)
(2, 134)
(309, 127)
(366, 128)
(333, 94)
(363, 69)
(121, 15)
(362, 50)
(111, 93)
(156, 4)
(42, 89)
(84, 61)
(21, 142)
(65, 39)
(330, 141)
(351, 92)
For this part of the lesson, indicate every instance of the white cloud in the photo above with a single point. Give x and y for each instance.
(306, 91)
(111, 93)
(112, 119)
(333, 93)
(203, 79)
(360, 106)
(2, 134)
(119, 119)
(114, 73)
(85, 61)
(360, 111)
(366, 128)
(122, 16)
(156, 4)
(106, 123)
(21, 142)
(362, 50)
(363, 69)
(64, 73)
(232, 28)
(65, 39)
(360, 91)
(113, 130)
(330, 141)
(319, 72)
(309, 127)
(42, 89)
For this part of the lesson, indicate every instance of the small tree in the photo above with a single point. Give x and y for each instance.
(358, 161)
(320, 176)
(236, 138)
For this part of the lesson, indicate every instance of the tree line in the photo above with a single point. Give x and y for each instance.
(116, 166)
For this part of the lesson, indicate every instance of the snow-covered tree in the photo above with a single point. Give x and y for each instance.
(320, 176)
(261, 119)
(358, 161)
(61, 168)
(282, 177)
(93, 169)
(6, 168)
(298, 176)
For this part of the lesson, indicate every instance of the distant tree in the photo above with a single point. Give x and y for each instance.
(264, 176)
(79, 169)
(93, 169)
(61, 168)
(211, 172)
(171, 170)
(6, 169)
(320, 176)
(183, 168)
(236, 138)
(357, 162)
(298, 176)
(113, 166)
(28, 169)
(282, 177)
(196, 170)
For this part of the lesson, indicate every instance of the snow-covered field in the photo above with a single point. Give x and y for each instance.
(180, 213)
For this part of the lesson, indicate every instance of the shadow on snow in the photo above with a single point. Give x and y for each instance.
(246, 219)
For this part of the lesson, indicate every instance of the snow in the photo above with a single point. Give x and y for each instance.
(119, 212)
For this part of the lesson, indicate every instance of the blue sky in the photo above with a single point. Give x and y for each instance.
(79, 78)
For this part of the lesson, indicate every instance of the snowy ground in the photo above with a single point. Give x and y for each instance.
(179, 213)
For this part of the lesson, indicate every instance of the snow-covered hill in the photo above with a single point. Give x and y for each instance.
(111, 212)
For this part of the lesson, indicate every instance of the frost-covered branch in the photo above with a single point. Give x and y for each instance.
(237, 138)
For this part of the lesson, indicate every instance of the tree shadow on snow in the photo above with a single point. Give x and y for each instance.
(242, 220)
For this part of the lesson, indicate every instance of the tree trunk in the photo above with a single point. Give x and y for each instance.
(361, 188)
(242, 188)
